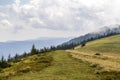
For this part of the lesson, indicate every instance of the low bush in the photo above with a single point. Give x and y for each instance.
(93, 65)
(97, 54)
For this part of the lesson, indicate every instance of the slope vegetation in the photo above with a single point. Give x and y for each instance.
(28, 64)
(63, 67)
(105, 45)
(98, 60)
(103, 54)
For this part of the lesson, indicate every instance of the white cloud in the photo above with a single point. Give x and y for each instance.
(2, 15)
(53, 17)
(5, 24)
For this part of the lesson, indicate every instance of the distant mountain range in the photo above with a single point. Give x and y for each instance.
(19, 47)
(13, 47)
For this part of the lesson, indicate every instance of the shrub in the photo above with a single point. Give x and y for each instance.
(97, 54)
(83, 44)
(93, 65)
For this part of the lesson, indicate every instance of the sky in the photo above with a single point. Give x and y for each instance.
(31, 19)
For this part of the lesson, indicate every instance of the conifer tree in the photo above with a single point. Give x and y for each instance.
(9, 57)
(34, 50)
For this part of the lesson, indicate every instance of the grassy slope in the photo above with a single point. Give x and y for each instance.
(105, 45)
(108, 62)
(27, 65)
(63, 68)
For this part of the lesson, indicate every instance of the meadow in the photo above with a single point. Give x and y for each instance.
(98, 60)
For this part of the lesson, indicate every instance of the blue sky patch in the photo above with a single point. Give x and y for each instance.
(5, 2)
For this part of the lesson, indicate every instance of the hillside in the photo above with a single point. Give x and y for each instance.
(61, 66)
(102, 32)
(102, 54)
(19, 47)
(104, 45)
(98, 60)
(98, 34)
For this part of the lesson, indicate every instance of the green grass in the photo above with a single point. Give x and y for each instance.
(107, 63)
(27, 65)
(77, 64)
(63, 67)
(104, 45)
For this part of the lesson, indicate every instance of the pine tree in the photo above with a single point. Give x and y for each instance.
(9, 57)
(3, 63)
(34, 50)
(2, 59)
(16, 56)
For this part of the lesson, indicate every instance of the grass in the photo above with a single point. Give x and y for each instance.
(107, 63)
(98, 60)
(104, 45)
(63, 67)
(27, 65)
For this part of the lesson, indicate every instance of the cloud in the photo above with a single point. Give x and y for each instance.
(2, 15)
(5, 24)
(41, 17)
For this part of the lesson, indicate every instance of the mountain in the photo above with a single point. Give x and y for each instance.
(13, 47)
(102, 32)
(102, 55)
(110, 45)
(98, 60)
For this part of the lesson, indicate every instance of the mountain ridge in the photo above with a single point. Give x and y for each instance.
(105, 31)
(20, 47)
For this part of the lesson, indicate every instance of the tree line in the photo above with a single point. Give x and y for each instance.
(5, 62)
(82, 43)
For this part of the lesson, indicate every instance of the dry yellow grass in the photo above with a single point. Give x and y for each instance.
(63, 67)
(108, 49)
(105, 62)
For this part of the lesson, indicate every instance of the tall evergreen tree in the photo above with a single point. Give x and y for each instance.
(9, 57)
(3, 63)
(34, 50)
